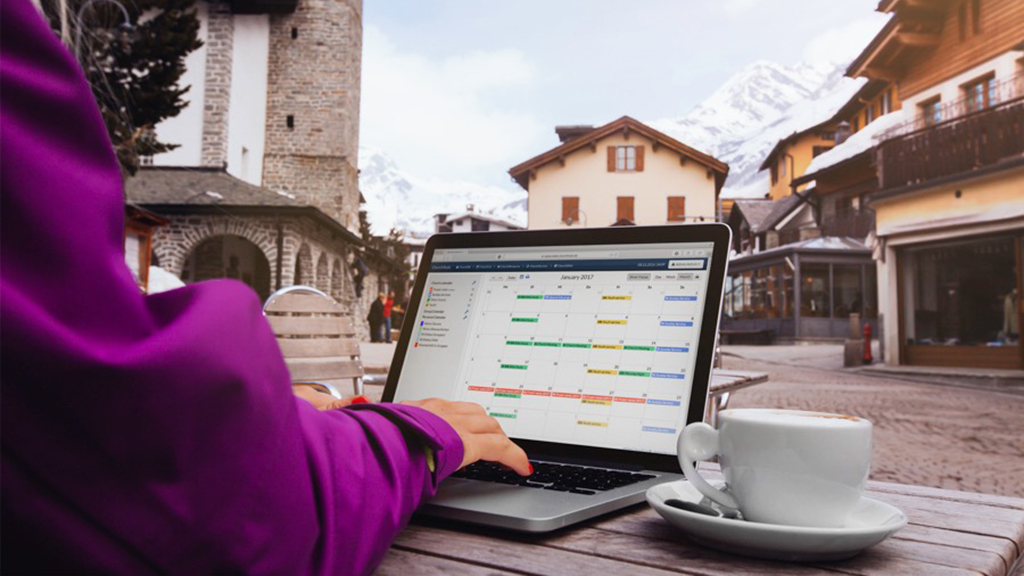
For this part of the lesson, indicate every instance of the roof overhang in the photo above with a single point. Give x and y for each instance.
(524, 172)
(914, 29)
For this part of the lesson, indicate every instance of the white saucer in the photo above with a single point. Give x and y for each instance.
(870, 523)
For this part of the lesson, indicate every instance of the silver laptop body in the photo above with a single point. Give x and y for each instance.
(592, 348)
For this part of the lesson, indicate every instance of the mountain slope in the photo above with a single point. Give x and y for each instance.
(395, 199)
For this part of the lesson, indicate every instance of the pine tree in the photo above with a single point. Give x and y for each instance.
(134, 66)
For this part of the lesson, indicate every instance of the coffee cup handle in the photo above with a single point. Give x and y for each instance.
(698, 441)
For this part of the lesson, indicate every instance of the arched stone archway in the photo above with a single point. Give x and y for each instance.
(228, 256)
(323, 279)
(303, 267)
(336, 280)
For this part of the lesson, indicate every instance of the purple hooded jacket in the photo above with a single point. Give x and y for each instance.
(159, 433)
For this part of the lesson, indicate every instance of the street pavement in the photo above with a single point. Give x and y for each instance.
(930, 434)
(926, 434)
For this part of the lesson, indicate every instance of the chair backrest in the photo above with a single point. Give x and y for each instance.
(317, 337)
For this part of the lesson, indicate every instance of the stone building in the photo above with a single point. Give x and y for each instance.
(264, 184)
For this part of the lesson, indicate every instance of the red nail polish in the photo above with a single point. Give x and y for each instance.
(531, 469)
(360, 400)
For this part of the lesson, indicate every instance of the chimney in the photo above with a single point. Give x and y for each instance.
(842, 132)
(566, 133)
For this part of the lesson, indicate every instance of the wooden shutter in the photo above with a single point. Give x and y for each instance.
(639, 158)
(625, 208)
(570, 208)
(676, 208)
(611, 158)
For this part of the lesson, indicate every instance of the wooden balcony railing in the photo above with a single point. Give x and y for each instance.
(967, 143)
(851, 225)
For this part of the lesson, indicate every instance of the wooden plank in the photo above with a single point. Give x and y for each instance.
(523, 554)
(310, 325)
(948, 495)
(298, 302)
(323, 368)
(879, 561)
(965, 517)
(318, 347)
(672, 551)
(1002, 547)
(404, 563)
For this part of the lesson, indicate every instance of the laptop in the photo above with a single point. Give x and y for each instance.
(592, 348)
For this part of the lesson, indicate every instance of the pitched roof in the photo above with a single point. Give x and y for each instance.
(753, 211)
(780, 209)
(508, 223)
(171, 185)
(521, 172)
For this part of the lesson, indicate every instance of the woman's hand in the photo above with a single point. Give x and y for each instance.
(482, 436)
(325, 401)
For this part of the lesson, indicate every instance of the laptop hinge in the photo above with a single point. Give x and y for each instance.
(586, 462)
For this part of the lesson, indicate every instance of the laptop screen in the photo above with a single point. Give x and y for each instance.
(586, 345)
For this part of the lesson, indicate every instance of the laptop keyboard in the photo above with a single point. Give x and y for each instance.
(551, 476)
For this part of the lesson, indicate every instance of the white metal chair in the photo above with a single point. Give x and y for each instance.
(317, 338)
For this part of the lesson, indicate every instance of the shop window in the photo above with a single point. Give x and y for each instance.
(847, 291)
(870, 292)
(814, 292)
(961, 294)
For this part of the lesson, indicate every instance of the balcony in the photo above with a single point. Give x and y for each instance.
(956, 146)
(855, 224)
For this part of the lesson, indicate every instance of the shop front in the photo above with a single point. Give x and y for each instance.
(806, 290)
(959, 302)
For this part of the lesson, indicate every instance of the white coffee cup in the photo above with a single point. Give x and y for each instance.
(783, 466)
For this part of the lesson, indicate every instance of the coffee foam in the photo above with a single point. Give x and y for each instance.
(794, 417)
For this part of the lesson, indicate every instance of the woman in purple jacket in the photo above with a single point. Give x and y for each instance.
(158, 433)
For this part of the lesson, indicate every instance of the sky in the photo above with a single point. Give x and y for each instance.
(465, 89)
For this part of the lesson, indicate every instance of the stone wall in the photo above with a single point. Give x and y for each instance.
(313, 80)
(302, 238)
(217, 97)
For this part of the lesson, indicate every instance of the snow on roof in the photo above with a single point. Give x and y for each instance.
(856, 143)
(453, 217)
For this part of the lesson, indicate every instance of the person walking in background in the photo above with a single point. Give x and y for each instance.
(376, 318)
(389, 303)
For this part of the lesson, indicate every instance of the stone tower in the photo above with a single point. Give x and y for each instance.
(312, 131)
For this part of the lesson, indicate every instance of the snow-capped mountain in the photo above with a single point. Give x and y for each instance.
(739, 123)
(758, 106)
(395, 199)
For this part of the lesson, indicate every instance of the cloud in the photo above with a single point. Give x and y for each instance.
(737, 7)
(442, 118)
(840, 45)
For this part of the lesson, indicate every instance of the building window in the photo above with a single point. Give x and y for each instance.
(624, 209)
(480, 225)
(775, 173)
(869, 114)
(830, 135)
(931, 111)
(625, 158)
(570, 209)
(979, 94)
(676, 208)
(818, 150)
(855, 125)
(886, 102)
(814, 291)
(960, 294)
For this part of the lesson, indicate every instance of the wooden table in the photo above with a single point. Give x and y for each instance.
(950, 533)
(723, 384)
